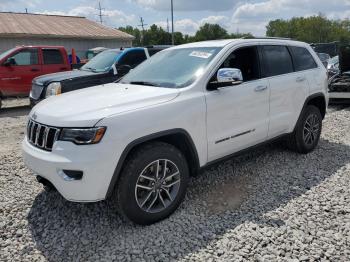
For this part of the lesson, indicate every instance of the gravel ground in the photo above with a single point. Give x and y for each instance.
(269, 205)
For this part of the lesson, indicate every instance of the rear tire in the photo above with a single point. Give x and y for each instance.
(307, 132)
(152, 184)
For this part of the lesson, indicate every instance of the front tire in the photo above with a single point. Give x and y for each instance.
(153, 183)
(307, 132)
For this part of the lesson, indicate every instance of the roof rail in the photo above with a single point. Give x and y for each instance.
(266, 37)
(158, 46)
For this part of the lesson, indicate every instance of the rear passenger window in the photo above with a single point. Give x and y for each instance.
(302, 59)
(52, 57)
(276, 60)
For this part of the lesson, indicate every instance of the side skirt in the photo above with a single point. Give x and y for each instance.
(241, 152)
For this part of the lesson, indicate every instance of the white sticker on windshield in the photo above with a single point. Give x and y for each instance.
(200, 54)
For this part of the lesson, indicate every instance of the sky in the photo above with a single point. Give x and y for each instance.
(235, 16)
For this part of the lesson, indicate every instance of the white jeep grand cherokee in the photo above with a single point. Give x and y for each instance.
(138, 141)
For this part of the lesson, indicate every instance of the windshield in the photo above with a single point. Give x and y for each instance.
(102, 62)
(173, 68)
(6, 53)
(323, 57)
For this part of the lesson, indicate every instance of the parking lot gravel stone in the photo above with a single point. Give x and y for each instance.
(267, 205)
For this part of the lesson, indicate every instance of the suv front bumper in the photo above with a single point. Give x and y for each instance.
(95, 163)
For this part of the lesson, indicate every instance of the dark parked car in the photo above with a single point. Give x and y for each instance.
(339, 76)
(106, 67)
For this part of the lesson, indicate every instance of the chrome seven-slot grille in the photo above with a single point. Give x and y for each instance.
(42, 136)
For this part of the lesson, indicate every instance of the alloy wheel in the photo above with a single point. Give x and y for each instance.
(311, 129)
(157, 186)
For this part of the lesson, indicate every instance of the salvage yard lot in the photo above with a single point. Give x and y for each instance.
(270, 204)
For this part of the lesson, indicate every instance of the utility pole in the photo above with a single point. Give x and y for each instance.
(167, 25)
(100, 12)
(172, 24)
(168, 29)
(143, 29)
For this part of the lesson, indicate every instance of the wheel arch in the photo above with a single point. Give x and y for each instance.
(179, 138)
(318, 100)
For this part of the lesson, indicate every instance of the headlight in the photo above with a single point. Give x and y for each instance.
(83, 136)
(53, 89)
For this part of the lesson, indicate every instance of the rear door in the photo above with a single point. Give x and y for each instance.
(54, 61)
(17, 78)
(288, 89)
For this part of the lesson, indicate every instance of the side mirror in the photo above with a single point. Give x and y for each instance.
(226, 77)
(9, 62)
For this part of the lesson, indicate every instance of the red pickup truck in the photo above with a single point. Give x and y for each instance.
(18, 67)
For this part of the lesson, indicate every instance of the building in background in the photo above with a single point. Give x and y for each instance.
(68, 31)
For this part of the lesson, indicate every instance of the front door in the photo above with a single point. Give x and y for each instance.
(17, 77)
(238, 115)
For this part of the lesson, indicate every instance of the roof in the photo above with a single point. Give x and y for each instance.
(225, 42)
(39, 25)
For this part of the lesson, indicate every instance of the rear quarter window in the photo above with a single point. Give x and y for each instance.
(302, 59)
(276, 60)
(52, 57)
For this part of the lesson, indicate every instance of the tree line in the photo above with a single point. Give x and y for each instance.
(156, 35)
(313, 29)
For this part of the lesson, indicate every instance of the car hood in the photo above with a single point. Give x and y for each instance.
(84, 108)
(61, 76)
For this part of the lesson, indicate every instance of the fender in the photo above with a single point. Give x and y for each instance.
(148, 138)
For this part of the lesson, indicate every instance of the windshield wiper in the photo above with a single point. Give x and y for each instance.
(91, 69)
(142, 83)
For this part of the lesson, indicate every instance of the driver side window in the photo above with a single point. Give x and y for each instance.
(25, 57)
(245, 59)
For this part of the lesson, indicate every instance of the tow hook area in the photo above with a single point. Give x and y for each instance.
(48, 186)
(70, 175)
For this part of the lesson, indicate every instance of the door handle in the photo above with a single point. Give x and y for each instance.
(34, 70)
(300, 79)
(260, 88)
